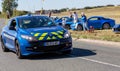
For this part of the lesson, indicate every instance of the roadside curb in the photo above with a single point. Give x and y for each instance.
(99, 42)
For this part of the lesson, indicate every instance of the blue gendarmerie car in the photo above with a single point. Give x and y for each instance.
(28, 35)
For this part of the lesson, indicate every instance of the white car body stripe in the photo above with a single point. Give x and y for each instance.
(8, 36)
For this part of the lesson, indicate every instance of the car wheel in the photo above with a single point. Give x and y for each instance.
(106, 26)
(60, 24)
(18, 52)
(67, 26)
(79, 28)
(67, 52)
(4, 47)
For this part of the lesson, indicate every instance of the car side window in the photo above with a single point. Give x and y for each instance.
(12, 25)
(60, 20)
(70, 20)
(93, 19)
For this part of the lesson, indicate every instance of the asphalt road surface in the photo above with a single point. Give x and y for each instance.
(85, 57)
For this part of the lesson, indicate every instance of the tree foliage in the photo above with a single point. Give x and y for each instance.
(63, 9)
(9, 5)
(19, 13)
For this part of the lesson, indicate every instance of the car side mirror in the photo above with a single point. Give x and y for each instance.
(49, 23)
(12, 28)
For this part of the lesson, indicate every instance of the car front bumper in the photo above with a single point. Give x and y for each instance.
(38, 47)
(116, 30)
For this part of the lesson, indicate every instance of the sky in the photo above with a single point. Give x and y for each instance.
(32, 5)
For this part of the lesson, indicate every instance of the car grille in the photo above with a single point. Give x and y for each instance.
(39, 46)
(46, 48)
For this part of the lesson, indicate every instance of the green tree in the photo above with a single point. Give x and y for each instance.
(9, 5)
(19, 13)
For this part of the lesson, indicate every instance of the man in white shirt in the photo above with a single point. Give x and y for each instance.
(75, 18)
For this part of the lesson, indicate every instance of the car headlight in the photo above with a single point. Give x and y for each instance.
(29, 38)
(67, 35)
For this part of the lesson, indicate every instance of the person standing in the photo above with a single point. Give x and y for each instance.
(49, 15)
(8, 14)
(84, 21)
(63, 22)
(75, 18)
(71, 16)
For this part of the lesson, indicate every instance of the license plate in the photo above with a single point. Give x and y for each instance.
(52, 43)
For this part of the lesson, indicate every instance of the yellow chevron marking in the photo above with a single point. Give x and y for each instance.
(48, 38)
(60, 32)
(59, 36)
(42, 36)
(54, 33)
(53, 37)
(37, 34)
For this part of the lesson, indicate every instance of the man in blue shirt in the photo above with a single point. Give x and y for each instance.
(84, 21)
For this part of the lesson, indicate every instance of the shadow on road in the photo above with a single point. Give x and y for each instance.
(77, 52)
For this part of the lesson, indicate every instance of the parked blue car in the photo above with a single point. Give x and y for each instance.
(28, 35)
(69, 21)
(116, 28)
(98, 22)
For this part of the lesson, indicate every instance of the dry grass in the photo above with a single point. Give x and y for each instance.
(107, 35)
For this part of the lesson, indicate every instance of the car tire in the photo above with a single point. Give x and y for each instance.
(79, 28)
(18, 51)
(4, 47)
(67, 26)
(67, 52)
(106, 26)
(60, 24)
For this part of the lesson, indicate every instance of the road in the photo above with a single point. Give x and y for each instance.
(85, 57)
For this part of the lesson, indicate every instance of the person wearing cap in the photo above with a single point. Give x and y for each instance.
(84, 21)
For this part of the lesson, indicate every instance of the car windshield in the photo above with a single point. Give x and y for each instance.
(35, 22)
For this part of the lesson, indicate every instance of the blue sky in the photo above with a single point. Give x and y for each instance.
(32, 5)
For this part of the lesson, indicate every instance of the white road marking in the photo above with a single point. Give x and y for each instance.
(96, 61)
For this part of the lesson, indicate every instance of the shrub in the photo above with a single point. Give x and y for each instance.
(19, 13)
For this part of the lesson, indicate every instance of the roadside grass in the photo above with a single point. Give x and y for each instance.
(106, 35)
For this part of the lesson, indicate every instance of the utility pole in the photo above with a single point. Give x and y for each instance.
(41, 12)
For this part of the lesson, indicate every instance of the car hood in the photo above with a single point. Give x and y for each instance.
(44, 29)
(46, 33)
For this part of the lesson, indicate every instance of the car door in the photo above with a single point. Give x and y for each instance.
(95, 22)
(5, 34)
(11, 34)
